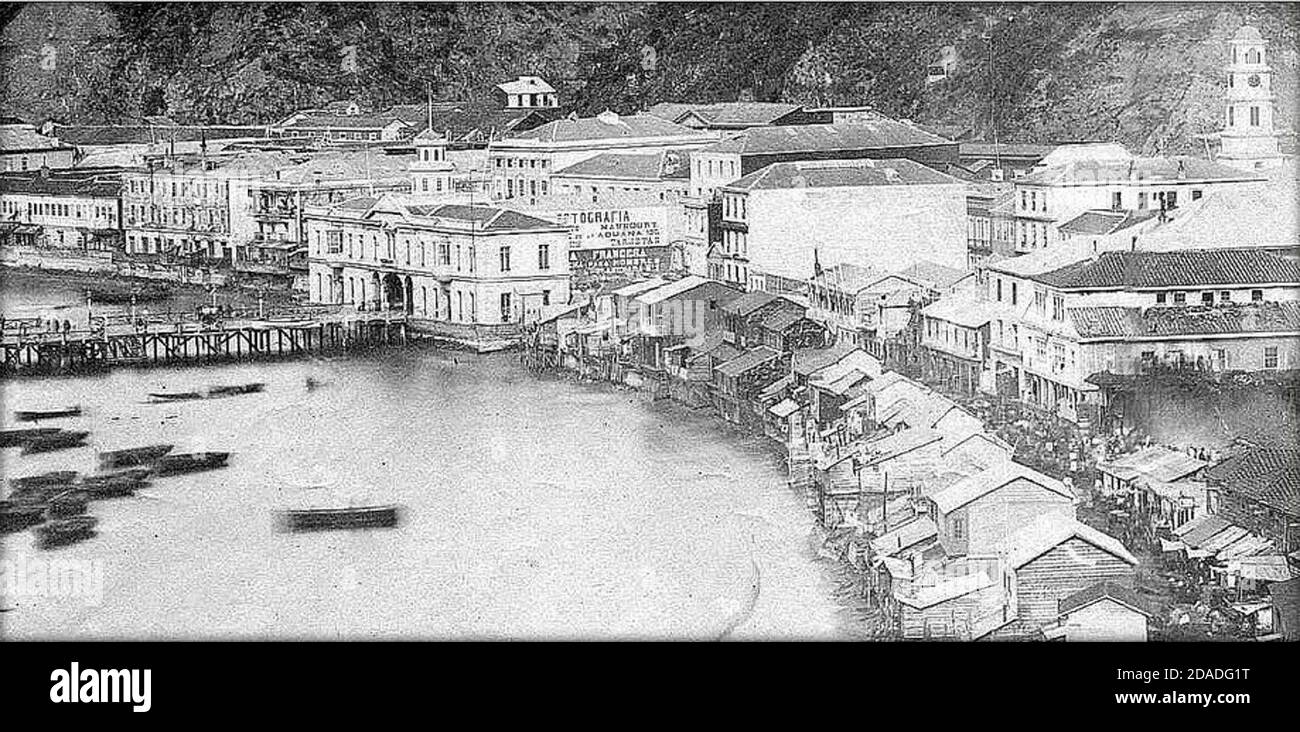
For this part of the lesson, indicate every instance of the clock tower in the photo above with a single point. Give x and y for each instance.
(1247, 140)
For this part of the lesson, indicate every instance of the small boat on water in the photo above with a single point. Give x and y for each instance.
(236, 389)
(35, 415)
(133, 456)
(18, 515)
(61, 440)
(175, 396)
(191, 462)
(54, 478)
(69, 503)
(21, 436)
(351, 517)
(114, 485)
(66, 531)
(124, 295)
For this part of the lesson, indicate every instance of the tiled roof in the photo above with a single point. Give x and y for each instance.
(666, 165)
(1101, 223)
(1104, 590)
(606, 126)
(747, 361)
(1193, 268)
(1138, 169)
(1161, 322)
(863, 135)
(842, 173)
(1268, 475)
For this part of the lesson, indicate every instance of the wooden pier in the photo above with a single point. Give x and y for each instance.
(183, 339)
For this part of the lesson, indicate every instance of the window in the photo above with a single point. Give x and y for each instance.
(1171, 199)
(1142, 201)
(1058, 307)
(999, 287)
(543, 256)
(959, 528)
(1256, 295)
(1207, 298)
(444, 253)
(1232, 117)
(505, 259)
(1160, 298)
(1013, 293)
(1117, 200)
(1196, 194)
(1270, 357)
(1180, 298)
(1225, 296)
(546, 297)
(505, 307)
(1254, 116)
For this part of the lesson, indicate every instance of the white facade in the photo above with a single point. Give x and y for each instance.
(1248, 140)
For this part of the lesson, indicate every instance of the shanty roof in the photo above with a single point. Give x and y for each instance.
(672, 289)
(747, 361)
(783, 318)
(808, 360)
(749, 302)
(981, 484)
(846, 277)
(1089, 172)
(1049, 532)
(1104, 590)
(1201, 528)
(1270, 476)
(909, 534)
(1156, 463)
(606, 126)
(784, 408)
(922, 597)
(1102, 223)
(1189, 320)
(636, 288)
(841, 174)
(859, 135)
(737, 115)
(1191, 268)
(899, 443)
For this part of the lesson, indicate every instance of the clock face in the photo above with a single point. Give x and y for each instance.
(1253, 80)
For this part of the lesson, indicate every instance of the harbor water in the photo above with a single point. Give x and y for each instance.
(533, 508)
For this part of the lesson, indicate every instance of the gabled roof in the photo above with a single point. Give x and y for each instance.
(732, 115)
(985, 482)
(1102, 223)
(636, 288)
(808, 360)
(783, 318)
(750, 302)
(1050, 531)
(928, 274)
(490, 218)
(899, 443)
(747, 361)
(1157, 463)
(861, 135)
(909, 534)
(841, 174)
(1186, 320)
(606, 126)
(321, 120)
(526, 85)
(922, 597)
(1191, 268)
(1104, 590)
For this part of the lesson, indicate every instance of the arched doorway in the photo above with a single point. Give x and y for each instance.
(395, 293)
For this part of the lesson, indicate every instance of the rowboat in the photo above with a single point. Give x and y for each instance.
(67, 531)
(352, 517)
(69, 503)
(174, 396)
(61, 440)
(21, 436)
(17, 515)
(54, 478)
(191, 462)
(220, 391)
(34, 415)
(133, 456)
(113, 485)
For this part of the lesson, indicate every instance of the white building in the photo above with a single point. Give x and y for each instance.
(450, 263)
(528, 92)
(780, 221)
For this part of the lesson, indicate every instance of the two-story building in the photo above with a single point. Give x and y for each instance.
(74, 208)
(955, 338)
(23, 148)
(446, 263)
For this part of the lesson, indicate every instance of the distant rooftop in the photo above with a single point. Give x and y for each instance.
(864, 135)
(1189, 320)
(1092, 171)
(1192, 268)
(842, 173)
(1103, 222)
(665, 165)
(17, 138)
(606, 126)
(720, 115)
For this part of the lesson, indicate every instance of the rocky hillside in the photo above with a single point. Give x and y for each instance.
(1145, 74)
